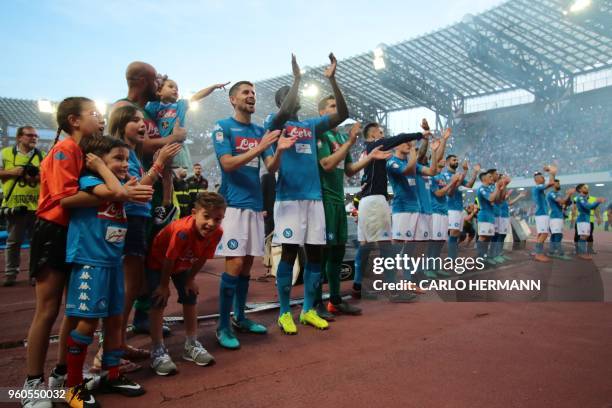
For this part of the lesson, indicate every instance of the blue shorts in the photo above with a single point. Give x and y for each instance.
(136, 236)
(95, 291)
(179, 280)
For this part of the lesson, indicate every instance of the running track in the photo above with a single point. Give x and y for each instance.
(428, 354)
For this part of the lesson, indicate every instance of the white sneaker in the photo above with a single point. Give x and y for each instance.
(35, 384)
(162, 364)
(197, 353)
(56, 380)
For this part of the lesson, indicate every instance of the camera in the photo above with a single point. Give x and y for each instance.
(8, 211)
(30, 170)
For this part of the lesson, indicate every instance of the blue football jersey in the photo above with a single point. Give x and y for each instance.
(423, 186)
(539, 196)
(96, 235)
(241, 188)
(405, 198)
(298, 176)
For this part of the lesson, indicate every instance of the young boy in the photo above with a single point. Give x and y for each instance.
(169, 109)
(96, 237)
(179, 251)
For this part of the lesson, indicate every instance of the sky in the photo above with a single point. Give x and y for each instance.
(58, 48)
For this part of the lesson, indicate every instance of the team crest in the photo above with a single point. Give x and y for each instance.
(287, 233)
(232, 244)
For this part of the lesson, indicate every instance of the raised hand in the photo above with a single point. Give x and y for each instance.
(378, 154)
(476, 168)
(447, 133)
(465, 165)
(285, 142)
(330, 72)
(269, 139)
(354, 132)
(167, 153)
(221, 86)
(424, 124)
(297, 73)
(435, 144)
(94, 163)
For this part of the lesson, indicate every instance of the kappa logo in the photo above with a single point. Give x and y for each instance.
(83, 307)
(232, 244)
(287, 233)
(85, 275)
(83, 296)
(84, 286)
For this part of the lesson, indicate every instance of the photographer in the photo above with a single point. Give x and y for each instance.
(20, 176)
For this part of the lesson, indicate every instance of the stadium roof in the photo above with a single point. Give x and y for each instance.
(536, 45)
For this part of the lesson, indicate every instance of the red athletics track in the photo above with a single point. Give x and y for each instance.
(428, 354)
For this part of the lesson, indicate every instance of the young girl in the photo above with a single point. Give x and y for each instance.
(169, 109)
(127, 123)
(96, 289)
(59, 191)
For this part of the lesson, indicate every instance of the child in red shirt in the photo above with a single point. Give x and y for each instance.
(178, 252)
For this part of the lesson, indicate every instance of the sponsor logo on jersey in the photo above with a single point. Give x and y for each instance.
(169, 113)
(112, 212)
(244, 144)
(219, 137)
(300, 132)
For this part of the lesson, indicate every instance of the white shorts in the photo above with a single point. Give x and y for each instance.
(243, 233)
(584, 228)
(439, 227)
(455, 220)
(503, 225)
(556, 225)
(424, 226)
(299, 222)
(374, 221)
(486, 229)
(542, 224)
(404, 226)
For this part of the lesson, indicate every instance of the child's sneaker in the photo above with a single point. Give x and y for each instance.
(198, 354)
(120, 385)
(80, 397)
(162, 364)
(35, 384)
(56, 380)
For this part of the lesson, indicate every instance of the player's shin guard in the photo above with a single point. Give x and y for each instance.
(242, 290)
(227, 289)
(284, 275)
(77, 352)
(312, 280)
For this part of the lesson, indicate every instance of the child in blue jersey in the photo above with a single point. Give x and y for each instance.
(96, 236)
(583, 221)
(127, 123)
(170, 110)
(541, 213)
(240, 146)
(298, 197)
(557, 201)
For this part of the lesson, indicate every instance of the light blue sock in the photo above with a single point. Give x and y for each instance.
(226, 296)
(582, 246)
(453, 247)
(242, 289)
(284, 277)
(493, 246)
(312, 280)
